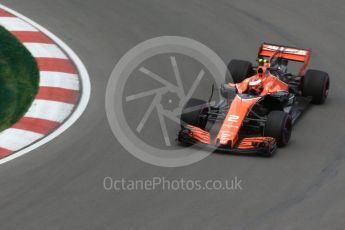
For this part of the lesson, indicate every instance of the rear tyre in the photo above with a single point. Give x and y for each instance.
(194, 113)
(239, 71)
(278, 126)
(316, 84)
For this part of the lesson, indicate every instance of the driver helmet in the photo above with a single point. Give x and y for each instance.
(262, 70)
(255, 86)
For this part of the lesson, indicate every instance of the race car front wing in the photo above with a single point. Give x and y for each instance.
(191, 135)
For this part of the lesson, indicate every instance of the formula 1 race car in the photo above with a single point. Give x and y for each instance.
(257, 111)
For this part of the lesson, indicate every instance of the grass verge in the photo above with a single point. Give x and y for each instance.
(19, 79)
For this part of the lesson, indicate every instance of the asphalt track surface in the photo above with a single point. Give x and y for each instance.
(59, 186)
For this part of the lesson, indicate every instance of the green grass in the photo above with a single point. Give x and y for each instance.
(19, 79)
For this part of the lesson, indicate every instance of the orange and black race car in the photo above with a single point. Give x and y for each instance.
(259, 108)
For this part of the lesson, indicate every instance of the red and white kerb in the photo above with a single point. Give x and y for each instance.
(59, 87)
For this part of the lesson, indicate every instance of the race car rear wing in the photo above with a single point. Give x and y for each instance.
(286, 52)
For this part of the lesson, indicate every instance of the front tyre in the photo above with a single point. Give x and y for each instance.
(278, 126)
(316, 84)
(195, 113)
(239, 70)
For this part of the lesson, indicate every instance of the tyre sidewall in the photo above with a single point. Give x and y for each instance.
(277, 122)
(316, 84)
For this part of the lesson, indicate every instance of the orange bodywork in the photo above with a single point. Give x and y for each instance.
(250, 142)
(228, 134)
(199, 134)
(239, 108)
(271, 84)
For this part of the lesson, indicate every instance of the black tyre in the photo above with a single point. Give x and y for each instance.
(278, 126)
(316, 84)
(194, 113)
(239, 70)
